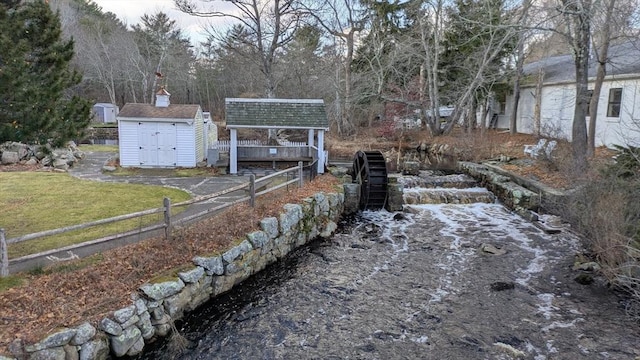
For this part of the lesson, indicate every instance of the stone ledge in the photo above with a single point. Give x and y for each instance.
(550, 197)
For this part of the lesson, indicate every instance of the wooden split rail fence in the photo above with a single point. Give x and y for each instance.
(169, 221)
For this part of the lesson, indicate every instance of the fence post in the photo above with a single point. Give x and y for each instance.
(167, 218)
(300, 174)
(252, 190)
(4, 259)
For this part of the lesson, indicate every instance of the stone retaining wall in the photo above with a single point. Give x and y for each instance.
(551, 200)
(516, 197)
(93, 133)
(157, 305)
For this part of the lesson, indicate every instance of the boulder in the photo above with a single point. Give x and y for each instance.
(191, 276)
(162, 290)
(95, 350)
(120, 345)
(270, 227)
(212, 265)
(237, 251)
(84, 333)
(9, 158)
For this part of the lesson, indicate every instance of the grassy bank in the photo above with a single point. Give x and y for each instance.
(36, 201)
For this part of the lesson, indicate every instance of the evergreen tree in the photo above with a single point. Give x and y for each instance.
(35, 77)
(473, 23)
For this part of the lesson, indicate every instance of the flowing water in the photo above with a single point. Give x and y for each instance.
(462, 280)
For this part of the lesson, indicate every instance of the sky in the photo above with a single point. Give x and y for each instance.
(130, 12)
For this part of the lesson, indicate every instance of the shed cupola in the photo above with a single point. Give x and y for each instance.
(162, 98)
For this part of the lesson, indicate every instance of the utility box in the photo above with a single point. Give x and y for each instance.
(213, 156)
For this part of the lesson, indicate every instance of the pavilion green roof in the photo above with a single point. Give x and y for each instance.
(276, 113)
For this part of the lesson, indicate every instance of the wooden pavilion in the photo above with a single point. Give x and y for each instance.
(298, 114)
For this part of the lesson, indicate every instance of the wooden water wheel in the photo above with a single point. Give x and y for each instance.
(370, 172)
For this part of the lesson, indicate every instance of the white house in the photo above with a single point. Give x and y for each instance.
(618, 118)
(104, 112)
(162, 135)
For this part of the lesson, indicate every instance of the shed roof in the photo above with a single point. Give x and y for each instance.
(107, 105)
(149, 111)
(624, 59)
(276, 113)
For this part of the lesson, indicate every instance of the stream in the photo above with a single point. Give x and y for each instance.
(467, 279)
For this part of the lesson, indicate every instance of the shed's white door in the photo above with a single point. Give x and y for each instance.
(157, 144)
(167, 144)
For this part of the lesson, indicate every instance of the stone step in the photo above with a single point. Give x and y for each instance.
(416, 196)
(429, 179)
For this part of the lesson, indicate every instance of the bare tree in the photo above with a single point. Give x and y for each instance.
(102, 43)
(343, 19)
(485, 48)
(601, 53)
(431, 26)
(158, 40)
(522, 35)
(267, 27)
(612, 20)
(577, 15)
(269, 24)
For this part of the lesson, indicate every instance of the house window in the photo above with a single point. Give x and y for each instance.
(615, 99)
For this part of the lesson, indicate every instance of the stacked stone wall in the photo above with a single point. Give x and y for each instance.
(516, 197)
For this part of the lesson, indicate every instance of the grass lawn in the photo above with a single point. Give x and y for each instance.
(99, 148)
(36, 201)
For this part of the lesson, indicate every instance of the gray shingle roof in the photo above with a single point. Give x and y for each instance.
(624, 59)
(276, 113)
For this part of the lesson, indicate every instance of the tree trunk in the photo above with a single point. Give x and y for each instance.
(537, 111)
(485, 113)
(347, 83)
(513, 119)
(602, 56)
(581, 48)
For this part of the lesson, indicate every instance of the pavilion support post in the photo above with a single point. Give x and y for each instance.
(233, 152)
(310, 142)
(321, 159)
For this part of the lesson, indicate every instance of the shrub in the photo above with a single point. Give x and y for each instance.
(607, 212)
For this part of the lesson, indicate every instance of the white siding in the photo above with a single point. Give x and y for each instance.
(526, 109)
(199, 136)
(558, 103)
(128, 143)
(185, 146)
(625, 129)
(556, 111)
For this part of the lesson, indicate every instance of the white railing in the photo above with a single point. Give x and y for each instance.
(224, 145)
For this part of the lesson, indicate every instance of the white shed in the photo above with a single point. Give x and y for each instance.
(162, 135)
(104, 112)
